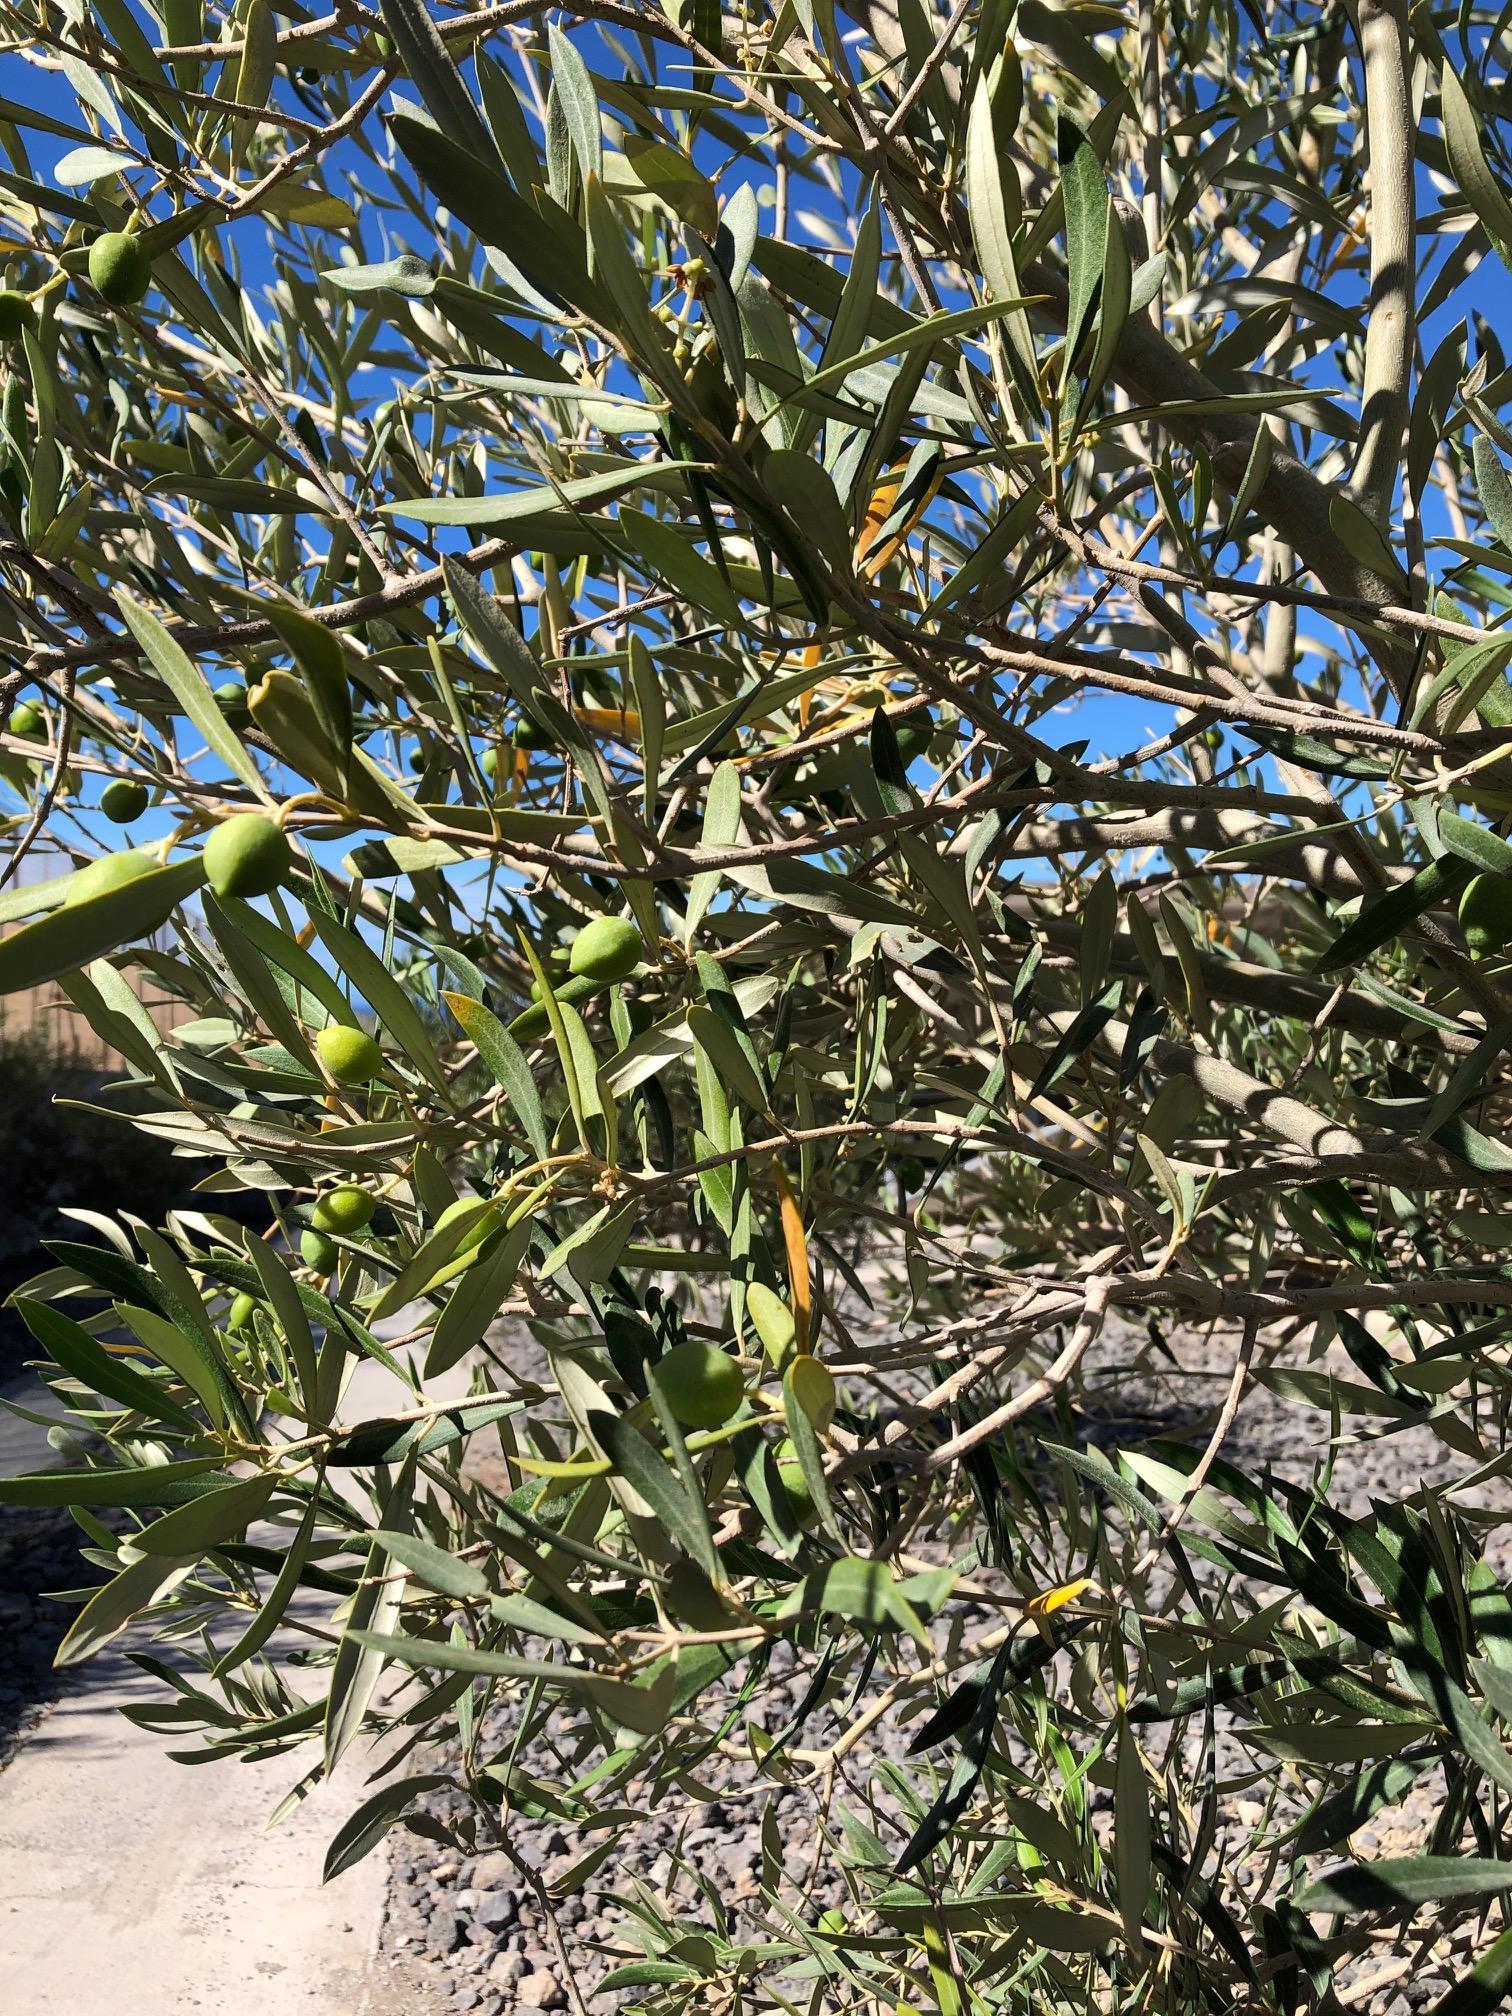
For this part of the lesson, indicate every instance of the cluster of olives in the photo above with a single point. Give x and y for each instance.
(123, 799)
(120, 271)
(345, 1209)
(247, 856)
(524, 734)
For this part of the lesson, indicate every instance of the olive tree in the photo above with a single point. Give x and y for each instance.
(818, 701)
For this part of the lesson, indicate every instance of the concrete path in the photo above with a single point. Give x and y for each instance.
(138, 1887)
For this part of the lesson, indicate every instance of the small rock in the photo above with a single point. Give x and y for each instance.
(541, 1990)
(506, 1969)
(495, 1910)
(447, 1931)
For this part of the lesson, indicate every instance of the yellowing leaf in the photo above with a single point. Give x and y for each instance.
(622, 722)
(796, 1246)
(871, 558)
(1050, 1600)
(882, 501)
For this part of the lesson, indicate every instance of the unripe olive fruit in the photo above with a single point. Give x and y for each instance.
(528, 734)
(111, 871)
(911, 1172)
(607, 949)
(344, 1209)
(488, 762)
(27, 718)
(248, 856)
(123, 800)
(231, 698)
(318, 1252)
(119, 267)
(1485, 915)
(350, 1055)
(703, 1384)
(478, 1231)
(242, 1309)
(15, 314)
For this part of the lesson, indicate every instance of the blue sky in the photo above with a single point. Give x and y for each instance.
(1110, 724)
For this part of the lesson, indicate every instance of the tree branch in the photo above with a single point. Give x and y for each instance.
(1390, 325)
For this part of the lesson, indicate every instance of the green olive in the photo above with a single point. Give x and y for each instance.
(607, 949)
(120, 268)
(247, 856)
(528, 734)
(111, 871)
(703, 1384)
(318, 1252)
(350, 1055)
(123, 800)
(345, 1209)
(16, 314)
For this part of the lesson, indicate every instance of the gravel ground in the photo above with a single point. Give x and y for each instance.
(477, 1923)
(471, 1929)
(482, 1934)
